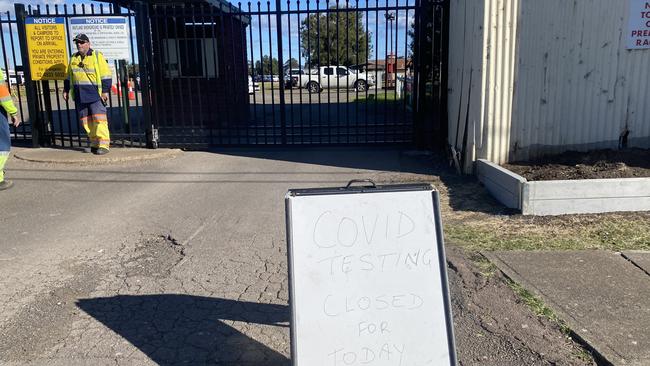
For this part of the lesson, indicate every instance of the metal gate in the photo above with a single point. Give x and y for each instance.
(314, 72)
(297, 73)
(49, 120)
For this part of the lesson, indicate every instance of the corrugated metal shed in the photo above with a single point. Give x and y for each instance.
(555, 75)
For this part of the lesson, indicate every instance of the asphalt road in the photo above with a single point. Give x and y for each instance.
(184, 261)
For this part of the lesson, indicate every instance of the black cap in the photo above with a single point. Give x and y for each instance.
(81, 37)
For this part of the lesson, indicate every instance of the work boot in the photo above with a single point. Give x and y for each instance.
(6, 184)
(90, 150)
(101, 151)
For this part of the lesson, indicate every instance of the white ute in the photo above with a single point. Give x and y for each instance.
(341, 77)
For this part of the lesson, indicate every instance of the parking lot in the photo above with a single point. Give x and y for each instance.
(302, 96)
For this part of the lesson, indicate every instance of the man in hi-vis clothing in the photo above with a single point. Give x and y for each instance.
(88, 84)
(8, 112)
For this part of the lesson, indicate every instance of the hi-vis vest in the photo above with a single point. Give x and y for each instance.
(5, 97)
(90, 75)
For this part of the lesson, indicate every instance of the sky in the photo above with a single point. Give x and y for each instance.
(376, 24)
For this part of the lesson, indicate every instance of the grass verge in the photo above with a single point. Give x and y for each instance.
(607, 232)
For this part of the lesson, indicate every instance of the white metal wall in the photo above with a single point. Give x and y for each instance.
(481, 77)
(554, 76)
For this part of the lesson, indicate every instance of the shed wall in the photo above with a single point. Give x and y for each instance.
(578, 87)
(529, 78)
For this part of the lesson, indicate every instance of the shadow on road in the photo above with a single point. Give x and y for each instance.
(336, 166)
(184, 329)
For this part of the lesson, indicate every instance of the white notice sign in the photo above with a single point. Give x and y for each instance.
(368, 277)
(638, 35)
(109, 35)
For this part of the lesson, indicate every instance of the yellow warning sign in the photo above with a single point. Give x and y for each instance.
(48, 55)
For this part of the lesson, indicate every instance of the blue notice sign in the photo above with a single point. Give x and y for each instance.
(108, 34)
(39, 20)
(99, 20)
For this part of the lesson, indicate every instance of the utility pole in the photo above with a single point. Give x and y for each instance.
(390, 17)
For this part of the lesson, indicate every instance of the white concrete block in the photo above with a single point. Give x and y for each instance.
(503, 184)
(585, 196)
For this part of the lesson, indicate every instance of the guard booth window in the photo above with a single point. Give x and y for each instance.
(190, 58)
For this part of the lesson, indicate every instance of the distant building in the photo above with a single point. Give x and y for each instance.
(198, 73)
(389, 69)
(402, 65)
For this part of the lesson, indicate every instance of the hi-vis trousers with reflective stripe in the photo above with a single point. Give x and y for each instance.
(93, 119)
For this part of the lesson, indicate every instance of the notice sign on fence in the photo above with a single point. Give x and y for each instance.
(48, 55)
(109, 35)
(367, 275)
(638, 36)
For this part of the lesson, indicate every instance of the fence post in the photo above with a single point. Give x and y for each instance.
(123, 78)
(418, 137)
(444, 73)
(283, 116)
(143, 36)
(30, 86)
(47, 137)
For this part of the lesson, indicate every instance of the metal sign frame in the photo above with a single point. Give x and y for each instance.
(350, 189)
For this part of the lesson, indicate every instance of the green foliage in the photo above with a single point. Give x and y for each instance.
(267, 66)
(322, 45)
(292, 63)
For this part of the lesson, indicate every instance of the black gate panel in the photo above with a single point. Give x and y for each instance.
(260, 73)
(298, 73)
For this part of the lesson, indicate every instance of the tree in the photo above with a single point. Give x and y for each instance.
(267, 66)
(292, 64)
(430, 51)
(322, 47)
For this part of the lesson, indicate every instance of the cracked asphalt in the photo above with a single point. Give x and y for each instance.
(183, 261)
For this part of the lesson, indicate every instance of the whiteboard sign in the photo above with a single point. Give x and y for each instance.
(107, 34)
(368, 280)
(638, 35)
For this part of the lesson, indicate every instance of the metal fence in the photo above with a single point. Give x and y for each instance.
(11, 56)
(49, 119)
(272, 73)
(313, 72)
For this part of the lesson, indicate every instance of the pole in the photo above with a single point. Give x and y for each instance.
(123, 77)
(30, 86)
(143, 35)
(283, 117)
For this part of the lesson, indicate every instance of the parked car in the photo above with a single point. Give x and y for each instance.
(292, 78)
(341, 77)
(252, 86)
(270, 78)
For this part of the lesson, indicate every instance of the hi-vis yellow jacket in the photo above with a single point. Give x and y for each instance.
(5, 97)
(89, 77)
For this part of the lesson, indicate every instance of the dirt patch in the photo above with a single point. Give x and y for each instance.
(46, 321)
(25, 337)
(629, 163)
(154, 257)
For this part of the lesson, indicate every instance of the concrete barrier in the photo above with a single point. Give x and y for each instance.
(503, 184)
(561, 197)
